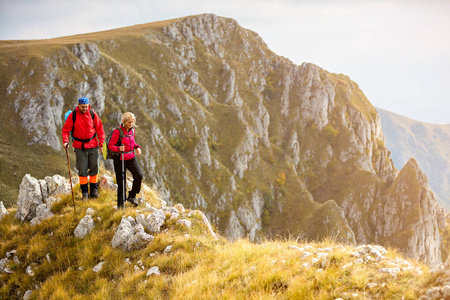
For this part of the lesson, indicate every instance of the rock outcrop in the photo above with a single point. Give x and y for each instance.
(130, 235)
(35, 196)
(412, 218)
(428, 143)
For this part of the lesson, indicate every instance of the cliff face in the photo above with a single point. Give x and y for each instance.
(264, 146)
(415, 231)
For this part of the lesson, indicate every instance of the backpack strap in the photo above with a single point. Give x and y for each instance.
(119, 141)
(74, 117)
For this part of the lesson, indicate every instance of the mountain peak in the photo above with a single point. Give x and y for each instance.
(429, 144)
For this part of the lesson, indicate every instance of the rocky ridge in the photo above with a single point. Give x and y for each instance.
(261, 145)
(134, 234)
(37, 197)
(427, 143)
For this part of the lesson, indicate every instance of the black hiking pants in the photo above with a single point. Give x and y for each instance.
(131, 165)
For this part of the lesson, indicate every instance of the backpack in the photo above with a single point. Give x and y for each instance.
(74, 117)
(108, 154)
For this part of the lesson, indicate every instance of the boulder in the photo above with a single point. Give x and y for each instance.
(155, 221)
(33, 193)
(84, 227)
(139, 239)
(57, 185)
(130, 235)
(107, 182)
(42, 212)
(30, 196)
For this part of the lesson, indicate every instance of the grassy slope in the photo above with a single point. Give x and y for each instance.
(197, 267)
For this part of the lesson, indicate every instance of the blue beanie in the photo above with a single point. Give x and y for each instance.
(83, 100)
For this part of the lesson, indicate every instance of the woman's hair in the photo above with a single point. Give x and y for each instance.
(127, 116)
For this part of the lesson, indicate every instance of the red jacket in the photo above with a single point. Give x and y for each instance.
(84, 129)
(127, 141)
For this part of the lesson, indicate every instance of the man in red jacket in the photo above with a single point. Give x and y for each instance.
(87, 139)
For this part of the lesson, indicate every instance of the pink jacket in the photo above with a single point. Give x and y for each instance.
(127, 141)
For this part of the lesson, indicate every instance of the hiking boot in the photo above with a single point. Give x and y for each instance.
(84, 192)
(133, 201)
(94, 194)
(94, 190)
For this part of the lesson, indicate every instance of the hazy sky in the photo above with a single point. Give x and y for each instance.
(397, 51)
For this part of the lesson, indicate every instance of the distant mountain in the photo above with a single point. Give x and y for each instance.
(265, 147)
(428, 143)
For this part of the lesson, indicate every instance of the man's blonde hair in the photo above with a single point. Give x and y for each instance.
(127, 116)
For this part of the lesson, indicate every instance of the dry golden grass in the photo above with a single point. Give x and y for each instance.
(198, 267)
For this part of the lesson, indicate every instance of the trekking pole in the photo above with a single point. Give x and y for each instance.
(70, 177)
(123, 181)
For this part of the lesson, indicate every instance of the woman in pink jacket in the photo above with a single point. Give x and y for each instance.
(126, 149)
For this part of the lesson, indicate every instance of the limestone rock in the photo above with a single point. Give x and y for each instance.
(410, 196)
(90, 211)
(205, 221)
(42, 212)
(130, 235)
(98, 267)
(153, 271)
(250, 217)
(155, 221)
(3, 211)
(168, 249)
(185, 223)
(370, 252)
(57, 185)
(234, 230)
(107, 182)
(202, 149)
(37, 196)
(317, 96)
(3, 264)
(244, 153)
(30, 196)
(29, 271)
(179, 207)
(27, 295)
(84, 227)
(139, 239)
(88, 53)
